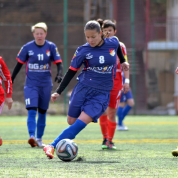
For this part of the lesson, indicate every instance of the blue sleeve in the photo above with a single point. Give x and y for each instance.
(56, 58)
(77, 59)
(22, 56)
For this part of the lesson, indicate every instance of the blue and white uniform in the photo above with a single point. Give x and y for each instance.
(92, 92)
(38, 83)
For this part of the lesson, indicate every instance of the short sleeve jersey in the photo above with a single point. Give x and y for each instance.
(5, 76)
(38, 62)
(99, 64)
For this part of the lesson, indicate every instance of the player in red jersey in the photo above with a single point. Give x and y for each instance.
(6, 78)
(107, 120)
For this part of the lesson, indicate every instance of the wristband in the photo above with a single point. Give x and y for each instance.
(127, 80)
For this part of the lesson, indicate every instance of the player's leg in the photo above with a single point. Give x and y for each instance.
(91, 110)
(128, 107)
(112, 109)
(1, 107)
(31, 102)
(43, 104)
(120, 109)
(41, 123)
(103, 121)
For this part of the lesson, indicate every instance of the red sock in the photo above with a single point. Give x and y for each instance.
(111, 129)
(104, 125)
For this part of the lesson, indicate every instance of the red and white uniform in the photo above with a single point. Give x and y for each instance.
(118, 84)
(5, 76)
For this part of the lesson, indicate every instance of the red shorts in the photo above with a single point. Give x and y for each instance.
(115, 98)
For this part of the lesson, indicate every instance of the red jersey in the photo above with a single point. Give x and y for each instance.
(5, 76)
(118, 79)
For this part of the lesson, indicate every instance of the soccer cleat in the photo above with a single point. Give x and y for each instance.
(122, 127)
(39, 143)
(175, 152)
(111, 145)
(105, 144)
(49, 151)
(32, 141)
(0, 141)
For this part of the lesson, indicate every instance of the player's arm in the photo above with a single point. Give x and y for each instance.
(16, 70)
(8, 84)
(76, 62)
(126, 86)
(59, 75)
(67, 78)
(125, 65)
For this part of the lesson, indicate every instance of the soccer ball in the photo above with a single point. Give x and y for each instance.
(66, 150)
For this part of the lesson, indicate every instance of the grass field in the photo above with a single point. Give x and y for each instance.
(143, 151)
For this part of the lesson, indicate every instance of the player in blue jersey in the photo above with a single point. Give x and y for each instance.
(38, 55)
(90, 97)
(125, 105)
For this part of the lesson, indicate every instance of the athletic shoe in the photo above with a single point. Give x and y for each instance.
(32, 141)
(111, 145)
(122, 127)
(0, 141)
(49, 151)
(39, 143)
(175, 152)
(105, 144)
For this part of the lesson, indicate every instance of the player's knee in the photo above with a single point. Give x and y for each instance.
(131, 102)
(71, 120)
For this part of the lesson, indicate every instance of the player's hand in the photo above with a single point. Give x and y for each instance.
(125, 66)
(106, 34)
(176, 71)
(9, 102)
(126, 87)
(54, 97)
(58, 78)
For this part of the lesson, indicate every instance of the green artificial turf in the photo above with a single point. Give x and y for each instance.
(143, 151)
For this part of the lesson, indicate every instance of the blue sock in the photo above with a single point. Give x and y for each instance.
(70, 132)
(31, 122)
(126, 110)
(120, 115)
(41, 123)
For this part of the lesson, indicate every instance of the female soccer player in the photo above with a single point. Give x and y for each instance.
(38, 55)
(90, 97)
(5, 76)
(107, 120)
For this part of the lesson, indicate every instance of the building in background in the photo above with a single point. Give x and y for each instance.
(16, 18)
(161, 57)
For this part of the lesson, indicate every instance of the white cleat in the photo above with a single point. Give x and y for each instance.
(40, 143)
(122, 128)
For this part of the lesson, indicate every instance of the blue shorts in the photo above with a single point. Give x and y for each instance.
(37, 96)
(88, 99)
(126, 96)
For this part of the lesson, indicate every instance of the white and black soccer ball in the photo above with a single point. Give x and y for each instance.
(66, 150)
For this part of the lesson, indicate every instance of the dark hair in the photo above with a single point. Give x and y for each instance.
(107, 23)
(92, 25)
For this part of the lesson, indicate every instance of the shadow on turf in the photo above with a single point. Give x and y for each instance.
(83, 160)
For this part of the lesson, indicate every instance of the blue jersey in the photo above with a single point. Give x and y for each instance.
(99, 64)
(38, 62)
